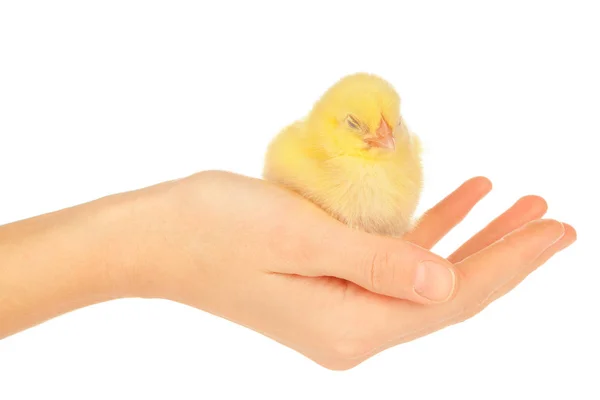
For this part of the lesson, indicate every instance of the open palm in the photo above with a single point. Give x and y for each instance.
(490, 264)
(279, 265)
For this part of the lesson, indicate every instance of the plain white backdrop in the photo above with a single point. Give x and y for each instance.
(103, 97)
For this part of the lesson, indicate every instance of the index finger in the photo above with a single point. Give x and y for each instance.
(448, 213)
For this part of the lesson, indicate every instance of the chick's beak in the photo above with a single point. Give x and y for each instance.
(383, 138)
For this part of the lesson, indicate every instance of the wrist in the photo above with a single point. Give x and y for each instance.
(129, 227)
(157, 240)
(148, 236)
(165, 250)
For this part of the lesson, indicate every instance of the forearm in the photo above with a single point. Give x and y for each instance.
(58, 262)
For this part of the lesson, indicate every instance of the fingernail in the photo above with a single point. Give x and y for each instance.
(434, 281)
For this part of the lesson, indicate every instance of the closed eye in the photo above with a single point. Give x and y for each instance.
(352, 122)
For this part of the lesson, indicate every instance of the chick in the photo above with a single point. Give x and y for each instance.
(354, 156)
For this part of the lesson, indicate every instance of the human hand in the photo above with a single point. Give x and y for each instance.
(262, 257)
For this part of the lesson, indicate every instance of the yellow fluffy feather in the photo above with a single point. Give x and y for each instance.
(353, 156)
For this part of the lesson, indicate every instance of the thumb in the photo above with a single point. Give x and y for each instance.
(389, 266)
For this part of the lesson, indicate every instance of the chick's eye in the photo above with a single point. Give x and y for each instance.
(352, 123)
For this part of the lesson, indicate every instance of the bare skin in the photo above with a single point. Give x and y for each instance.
(260, 256)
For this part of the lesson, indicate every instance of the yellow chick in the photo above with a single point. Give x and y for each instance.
(353, 156)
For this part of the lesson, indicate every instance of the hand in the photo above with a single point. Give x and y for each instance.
(265, 258)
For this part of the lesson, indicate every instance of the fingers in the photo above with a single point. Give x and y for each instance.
(480, 277)
(526, 209)
(386, 266)
(486, 271)
(568, 239)
(448, 213)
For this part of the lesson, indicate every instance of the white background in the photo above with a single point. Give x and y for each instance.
(102, 97)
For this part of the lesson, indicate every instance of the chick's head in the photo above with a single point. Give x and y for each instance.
(358, 115)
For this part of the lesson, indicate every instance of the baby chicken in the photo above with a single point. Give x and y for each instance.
(353, 156)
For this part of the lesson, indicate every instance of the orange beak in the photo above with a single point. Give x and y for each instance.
(383, 138)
